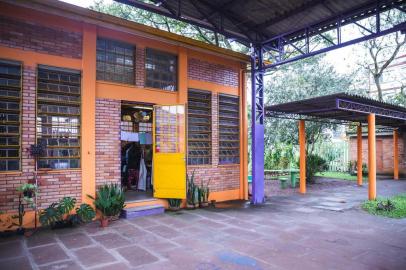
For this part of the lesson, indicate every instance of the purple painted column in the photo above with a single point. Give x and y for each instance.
(257, 126)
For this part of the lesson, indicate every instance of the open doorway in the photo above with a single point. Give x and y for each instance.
(136, 151)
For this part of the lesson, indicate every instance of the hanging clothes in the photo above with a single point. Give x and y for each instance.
(142, 179)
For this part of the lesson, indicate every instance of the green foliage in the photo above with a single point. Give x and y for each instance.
(204, 192)
(59, 213)
(174, 203)
(394, 207)
(339, 175)
(109, 200)
(192, 192)
(279, 157)
(85, 212)
(314, 164)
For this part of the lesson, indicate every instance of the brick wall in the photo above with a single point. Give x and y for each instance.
(384, 152)
(108, 152)
(53, 184)
(221, 177)
(210, 72)
(140, 67)
(38, 38)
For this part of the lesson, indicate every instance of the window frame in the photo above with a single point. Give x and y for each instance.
(67, 115)
(125, 46)
(176, 83)
(20, 114)
(238, 135)
(209, 116)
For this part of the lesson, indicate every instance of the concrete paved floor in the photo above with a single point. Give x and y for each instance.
(324, 229)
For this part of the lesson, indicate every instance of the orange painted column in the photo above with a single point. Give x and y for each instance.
(182, 76)
(359, 155)
(302, 158)
(395, 155)
(371, 157)
(88, 125)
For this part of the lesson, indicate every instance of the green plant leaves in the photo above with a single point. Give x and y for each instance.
(109, 200)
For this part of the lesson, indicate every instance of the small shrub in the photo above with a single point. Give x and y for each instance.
(174, 203)
(394, 207)
(109, 200)
(58, 214)
(314, 164)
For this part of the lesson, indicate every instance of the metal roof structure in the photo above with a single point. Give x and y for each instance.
(286, 30)
(342, 107)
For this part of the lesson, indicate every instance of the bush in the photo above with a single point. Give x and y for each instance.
(58, 214)
(109, 200)
(314, 164)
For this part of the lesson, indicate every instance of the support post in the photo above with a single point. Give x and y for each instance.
(257, 128)
(371, 157)
(395, 155)
(302, 158)
(359, 155)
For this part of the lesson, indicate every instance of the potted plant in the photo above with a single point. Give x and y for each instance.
(36, 151)
(26, 192)
(109, 201)
(204, 192)
(174, 204)
(58, 215)
(192, 192)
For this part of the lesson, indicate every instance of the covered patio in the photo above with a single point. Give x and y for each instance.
(344, 108)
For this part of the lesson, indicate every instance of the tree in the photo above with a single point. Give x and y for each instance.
(164, 23)
(302, 79)
(381, 52)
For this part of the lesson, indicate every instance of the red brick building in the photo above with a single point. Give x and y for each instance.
(102, 93)
(384, 152)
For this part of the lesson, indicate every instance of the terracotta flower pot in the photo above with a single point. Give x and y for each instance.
(104, 222)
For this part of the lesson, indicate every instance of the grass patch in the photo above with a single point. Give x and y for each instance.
(375, 207)
(339, 175)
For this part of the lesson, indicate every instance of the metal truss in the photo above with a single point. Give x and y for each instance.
(305, 42)
(352, 106)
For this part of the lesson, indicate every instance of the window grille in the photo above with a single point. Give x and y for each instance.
(229, 129)
(10, 115)
(115, 61)
(58, 117)
(161, 70)
(199, 127)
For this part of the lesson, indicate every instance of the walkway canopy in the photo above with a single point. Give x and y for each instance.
(342, 108)
(345, 108)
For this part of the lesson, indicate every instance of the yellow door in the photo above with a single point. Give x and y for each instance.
(169, 163)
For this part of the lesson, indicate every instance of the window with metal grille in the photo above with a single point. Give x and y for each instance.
(58, 117)
(161, 70)
(10, 115)
(115, 61)
(199, 127)
(229, 129)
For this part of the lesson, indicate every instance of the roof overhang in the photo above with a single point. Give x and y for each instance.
(342, 108)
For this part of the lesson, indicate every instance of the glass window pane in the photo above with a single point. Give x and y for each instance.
(58, 117)
(161, 70)
(114, 61)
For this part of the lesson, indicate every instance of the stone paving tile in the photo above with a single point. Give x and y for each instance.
(76, 240)
(164, 231)
(136, 255)
(144, 222)
(48, 254)
(11, 249)
(93, 256)
(19, 263)
(68, 265)
(129, 231)
(114, 266)
(111, 240)
(41, 238)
